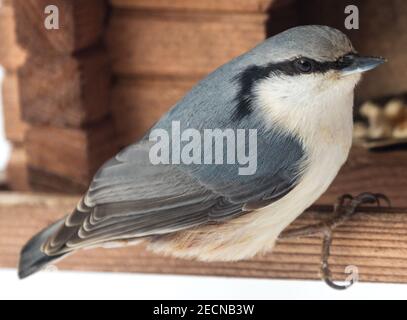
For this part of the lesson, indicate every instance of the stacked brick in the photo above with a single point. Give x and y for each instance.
(63, 92)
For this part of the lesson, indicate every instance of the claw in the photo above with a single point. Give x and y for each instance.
(335, 286)
(326, 228)
(383, 197)
(325, 269)
(327, 241)
(341, 201)
(366, 197)
(371, 198)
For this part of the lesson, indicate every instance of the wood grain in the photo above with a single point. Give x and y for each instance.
(17, 172)
(74, 154)
(138, 103)
(245, 6)
(81, 25)
(374, 241)
(65, 90)
(41, 180)
(14, 125)
(11, 54)
(172, 44)
(3, 181)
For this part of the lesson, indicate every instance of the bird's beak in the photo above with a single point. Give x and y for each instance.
(361, 64)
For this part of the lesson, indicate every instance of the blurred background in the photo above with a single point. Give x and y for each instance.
(75, 95)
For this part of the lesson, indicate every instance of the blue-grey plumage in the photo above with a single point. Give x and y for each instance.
(293, 90)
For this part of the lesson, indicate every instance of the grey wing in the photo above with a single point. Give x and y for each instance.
(131, 198)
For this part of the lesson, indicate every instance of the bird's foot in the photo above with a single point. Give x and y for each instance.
(344, 209)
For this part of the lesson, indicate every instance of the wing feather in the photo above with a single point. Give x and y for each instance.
(130, 198)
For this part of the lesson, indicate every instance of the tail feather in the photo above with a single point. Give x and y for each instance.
(32, 259)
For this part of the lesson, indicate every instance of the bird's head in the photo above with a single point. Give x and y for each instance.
(304, 68)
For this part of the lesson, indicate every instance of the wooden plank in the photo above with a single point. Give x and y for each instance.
(3, 180)
(17, 174)
(65, 90)
(245, 6)
(181, 44)
(72, 154)
(136, 106)
(81, 25)
(48, 182)
(382, 172)
(374, 241)
(375, 36)
(15, 127)
(11, 54)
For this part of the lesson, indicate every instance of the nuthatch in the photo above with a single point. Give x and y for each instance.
(296, 89)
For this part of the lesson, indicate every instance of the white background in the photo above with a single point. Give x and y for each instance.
(4, 147)
(66, 285)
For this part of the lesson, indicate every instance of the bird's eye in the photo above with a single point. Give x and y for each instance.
(303, 65)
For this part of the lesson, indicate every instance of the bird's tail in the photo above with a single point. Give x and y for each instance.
(32, 259)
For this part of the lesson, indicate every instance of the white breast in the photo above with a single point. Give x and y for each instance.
(325, 126)
(324, 166)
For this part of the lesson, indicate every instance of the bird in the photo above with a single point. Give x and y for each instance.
(296, 89)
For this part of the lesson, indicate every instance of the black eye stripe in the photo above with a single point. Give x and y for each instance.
(290, 68)
(249, 76)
